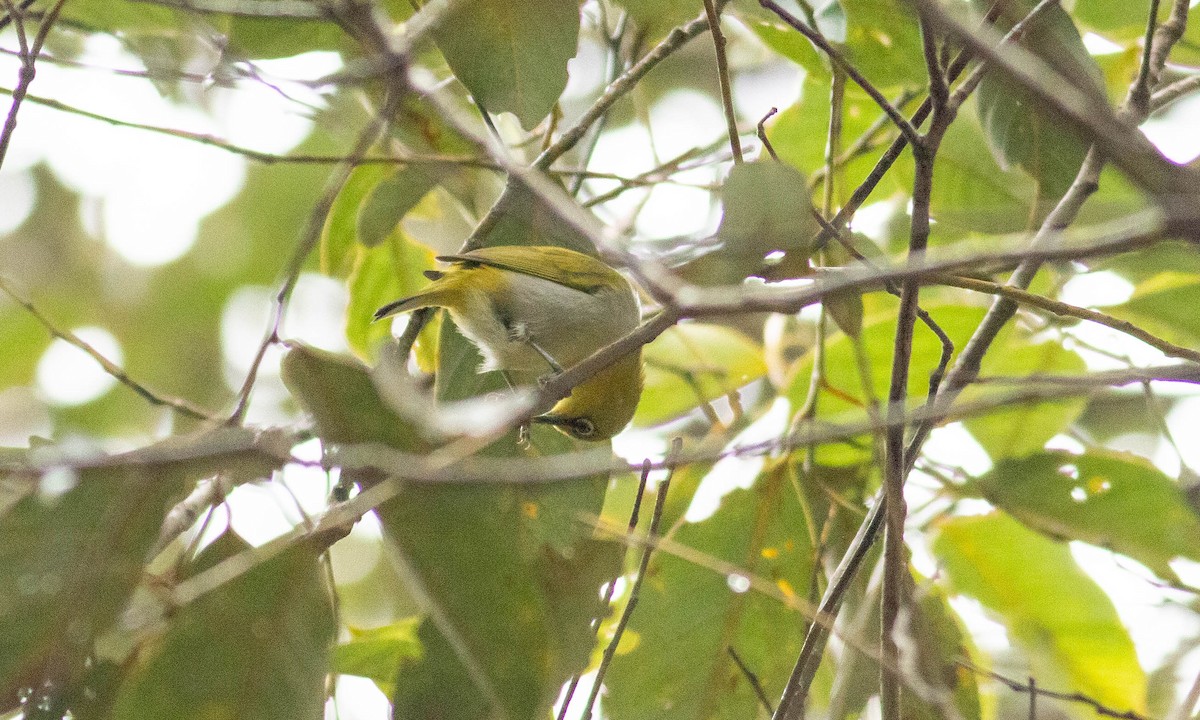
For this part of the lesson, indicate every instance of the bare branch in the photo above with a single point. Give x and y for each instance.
(835, 56)
(617, 89)
(1088, 114)
(28, 54)
(1067, 310)
(293, 9)
(714, 26)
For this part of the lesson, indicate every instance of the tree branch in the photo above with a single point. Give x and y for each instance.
(835, 56)
(183, 407)
(714, 26)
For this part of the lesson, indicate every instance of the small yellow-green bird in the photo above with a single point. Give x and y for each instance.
(533, 308)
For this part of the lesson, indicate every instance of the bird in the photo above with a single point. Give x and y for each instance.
(539, 307)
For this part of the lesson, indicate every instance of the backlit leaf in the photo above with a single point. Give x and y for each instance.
(512, 56)
(693, 363)
(1114, 500)
(257, 646)
(1053, 611)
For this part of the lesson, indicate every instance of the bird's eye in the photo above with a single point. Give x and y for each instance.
(583, 427)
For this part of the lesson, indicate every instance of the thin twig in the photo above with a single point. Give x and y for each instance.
(29, 54)
(939, 90)
(752, 679)
(1185, 709)
(293, 9)
(762, 133)
(9, 16)
(1032, 688)
(183, 515)
(869, 139)
(635, 589)
(889, 157)
(1176, 90)
(1086, 182)
(1063, 309)
(397, 157)
(1083, 110)
(895, 563)
(651, 176)
(614, 66)
(46, 57)
(182, 407)
(714, 27)
(1139, 93)
(612, 586)
(795, 693)
(833, 137)
(618, 88)
(308, 240)
(836, 57)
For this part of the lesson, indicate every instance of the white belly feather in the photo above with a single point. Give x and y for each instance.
(550, 315)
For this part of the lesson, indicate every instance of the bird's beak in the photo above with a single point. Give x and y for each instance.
(550, 420)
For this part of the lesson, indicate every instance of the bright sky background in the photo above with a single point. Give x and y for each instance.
(134, 202)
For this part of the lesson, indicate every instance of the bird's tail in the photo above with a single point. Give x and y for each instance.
(429, 297)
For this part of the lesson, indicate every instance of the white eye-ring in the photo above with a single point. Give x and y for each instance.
(583, 427)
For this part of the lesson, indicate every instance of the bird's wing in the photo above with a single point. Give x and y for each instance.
(559, 265)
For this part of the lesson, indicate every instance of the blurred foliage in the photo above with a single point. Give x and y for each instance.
(482, 599)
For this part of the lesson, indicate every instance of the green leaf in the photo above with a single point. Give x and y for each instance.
(1026, 428)
(1012, 354)
(880, 38)
(931, 640)
(1021, 131)
(122, 17)
(656, 18)
(694, 363)
(843, 378)
(785, 41)
(276, 37)
(971, 192)
(883, 42)
(1053, 611)
(266, 38)
(1115, 19)
(255, 647)
(766, 208)
(1163, 305)
(513, 589)
(798, 136)
(676, 664)
(1114, 500)
(386, 272)
(377, 652)
(527, 220)
(390, 200)
(1119, 70)
(938, 641)
(338, 392)
(74, 548)
(846, 309)
(511, 56)
(339, 235)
